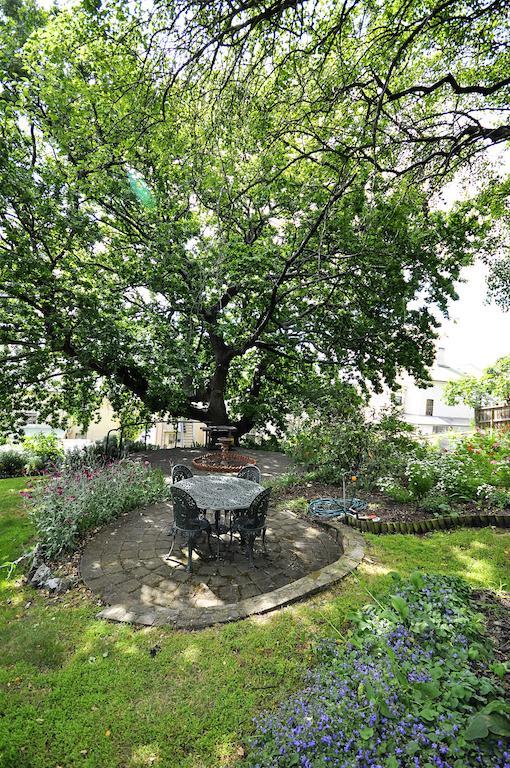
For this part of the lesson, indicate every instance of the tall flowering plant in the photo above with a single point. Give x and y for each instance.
(65, 504)
(414, 688)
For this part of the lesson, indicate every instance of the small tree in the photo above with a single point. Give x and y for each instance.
(493, 386)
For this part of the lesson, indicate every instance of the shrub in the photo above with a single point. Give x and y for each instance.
(68, 503)
(139, 446)
(43, 452)
(333, 446)
(12, 463)
(498, 498)
(421, 476)
(412, 688)
(474, 461)
(435, 504)
(395, 491)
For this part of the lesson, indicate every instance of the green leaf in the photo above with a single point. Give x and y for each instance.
(417, 580)
(366, 733)
(429, 690)
(412, 747)
(400, 605)
(499, 668)
(460, 692)
(481, 724)
(500, 725)
(428, 713)
(384, 709)
(496, 705)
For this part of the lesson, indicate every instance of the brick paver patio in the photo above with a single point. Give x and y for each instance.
(126, 562)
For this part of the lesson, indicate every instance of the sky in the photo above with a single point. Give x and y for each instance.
(477, 333)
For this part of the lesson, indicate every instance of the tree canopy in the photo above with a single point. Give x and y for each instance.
(214, 210)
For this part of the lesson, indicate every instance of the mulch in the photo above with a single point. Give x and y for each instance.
(496, 609)
(378, 503)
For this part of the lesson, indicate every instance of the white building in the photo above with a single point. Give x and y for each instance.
(425, 408)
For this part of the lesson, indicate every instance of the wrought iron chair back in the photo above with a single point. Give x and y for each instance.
(254, 519)
(252, 522)
(186, 512)
(189, 520)
(180, 472)
(250, 472)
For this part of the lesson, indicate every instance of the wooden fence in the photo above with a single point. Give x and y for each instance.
(493, 417)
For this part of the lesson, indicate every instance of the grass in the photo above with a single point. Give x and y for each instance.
(78, 692)
(15, 529)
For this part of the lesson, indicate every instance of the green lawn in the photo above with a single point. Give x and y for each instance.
(75, 691)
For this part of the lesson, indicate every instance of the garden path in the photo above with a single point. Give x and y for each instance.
(270, 463)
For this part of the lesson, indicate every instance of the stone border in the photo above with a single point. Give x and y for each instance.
(199, 618)
(426, 526)
(197, 463)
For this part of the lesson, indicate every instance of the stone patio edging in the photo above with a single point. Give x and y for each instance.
(198, 618)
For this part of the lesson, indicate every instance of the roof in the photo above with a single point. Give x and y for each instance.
(447, 421)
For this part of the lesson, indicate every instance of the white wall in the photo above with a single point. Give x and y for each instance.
(415, 401)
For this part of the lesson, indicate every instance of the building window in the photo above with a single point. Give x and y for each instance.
(429, 408)
(398, 399)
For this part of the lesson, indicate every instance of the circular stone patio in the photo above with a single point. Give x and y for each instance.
(126, 564)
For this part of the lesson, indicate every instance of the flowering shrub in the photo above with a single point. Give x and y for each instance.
(477, 468)
(67, 503)
(412, 689)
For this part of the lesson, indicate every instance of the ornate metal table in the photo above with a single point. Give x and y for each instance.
(220, 492)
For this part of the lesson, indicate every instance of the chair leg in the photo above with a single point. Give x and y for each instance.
(190, 553)
(251, 540)
(173, 534)
(264, 539)
(209, 542)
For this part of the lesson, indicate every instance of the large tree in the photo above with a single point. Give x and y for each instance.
(213, 214)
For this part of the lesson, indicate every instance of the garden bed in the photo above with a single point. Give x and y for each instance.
(417, 684)
(496, 609)
(379, 504)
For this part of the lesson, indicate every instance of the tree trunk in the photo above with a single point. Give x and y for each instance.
(217, 409)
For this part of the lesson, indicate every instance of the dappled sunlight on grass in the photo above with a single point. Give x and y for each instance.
(145, 756)
(191, 654)
(481, 556)
(174, 699)
(374, 569)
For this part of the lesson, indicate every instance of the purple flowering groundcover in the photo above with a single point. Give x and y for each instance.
(416, 686)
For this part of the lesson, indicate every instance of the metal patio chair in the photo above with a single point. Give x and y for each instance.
(180, 472)
(250, 472)
(251, 522)
(189, 520)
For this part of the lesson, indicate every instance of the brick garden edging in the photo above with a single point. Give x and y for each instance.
(198, 618)
(433, 524)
